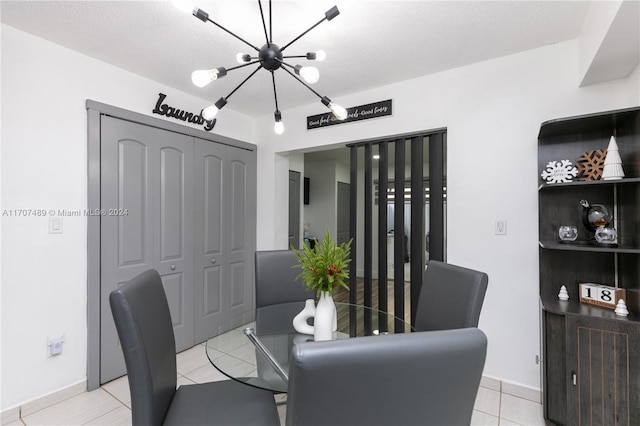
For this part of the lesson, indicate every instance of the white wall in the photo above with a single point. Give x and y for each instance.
(44, 166)
(493, 111)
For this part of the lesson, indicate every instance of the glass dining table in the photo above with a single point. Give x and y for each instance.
(254, 347)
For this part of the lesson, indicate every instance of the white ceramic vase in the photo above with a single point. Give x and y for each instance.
(325, 321)
(300, 323)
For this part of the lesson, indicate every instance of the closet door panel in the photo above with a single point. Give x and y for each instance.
(173, 236)
(146, 222)
(133, 229)
(211, 260)
(224, 200)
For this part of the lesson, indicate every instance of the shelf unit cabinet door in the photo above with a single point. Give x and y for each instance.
(555, 369)
(604, 372)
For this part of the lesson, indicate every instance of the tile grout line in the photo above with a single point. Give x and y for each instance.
(104, 414)
(113, 396)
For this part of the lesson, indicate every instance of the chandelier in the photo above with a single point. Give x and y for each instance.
(269, 57)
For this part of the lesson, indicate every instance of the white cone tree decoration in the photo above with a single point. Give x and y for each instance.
(612, 163)
(563, 294)
(621, 308)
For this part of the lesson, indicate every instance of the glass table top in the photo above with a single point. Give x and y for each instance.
(254, 347)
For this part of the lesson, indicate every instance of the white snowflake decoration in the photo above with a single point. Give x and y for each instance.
(559, 172)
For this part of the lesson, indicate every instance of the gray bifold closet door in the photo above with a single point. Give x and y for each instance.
(225, 194)
(169, 202)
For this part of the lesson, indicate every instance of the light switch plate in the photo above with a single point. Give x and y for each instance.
(55, 225)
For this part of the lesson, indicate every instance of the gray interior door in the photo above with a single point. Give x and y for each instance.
(225, 193)
(146, 222)
(343, 215)
(294, 209)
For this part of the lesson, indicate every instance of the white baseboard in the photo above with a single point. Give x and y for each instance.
(11, 415)
(510, 388)
(14, 414)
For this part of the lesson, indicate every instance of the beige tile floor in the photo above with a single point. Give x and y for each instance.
(111, 404)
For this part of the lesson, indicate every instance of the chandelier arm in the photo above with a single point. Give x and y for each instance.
(243, 82)
(284, 63)
(234, 35)
(270, 24)
(302, 82)
(300, 36)
(275, 94)
(264, 25)
(242, 65)
(328, 15)
(294, 56)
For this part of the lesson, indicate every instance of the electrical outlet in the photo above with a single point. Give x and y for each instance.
(55, 345)
(501, 227)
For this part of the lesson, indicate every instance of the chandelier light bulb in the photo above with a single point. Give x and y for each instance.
(203, 77)
(210, 112)
(310, 74)
(278, 127)
(321, 55)
(243, 58)
(184, 5)
(338, 111)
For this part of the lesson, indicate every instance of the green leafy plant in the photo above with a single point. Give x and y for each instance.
(325, 266)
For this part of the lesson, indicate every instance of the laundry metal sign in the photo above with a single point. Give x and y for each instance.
(182, 115)
(362, 112)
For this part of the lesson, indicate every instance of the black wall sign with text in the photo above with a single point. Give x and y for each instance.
(362, 112)
(169, 111)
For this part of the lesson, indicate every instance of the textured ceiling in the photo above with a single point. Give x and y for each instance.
(371, 43)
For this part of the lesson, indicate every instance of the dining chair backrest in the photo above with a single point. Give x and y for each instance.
(276, 278)
(143, 321)
(421, 378)
(451, 297)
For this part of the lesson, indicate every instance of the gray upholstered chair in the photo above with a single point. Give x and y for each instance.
(421, 378)
(276, 283)
(143, 322)
(451, 297)
(276, 279)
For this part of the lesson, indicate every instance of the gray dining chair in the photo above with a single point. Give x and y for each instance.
(451, 297)
(275, 284)
(143, 321)
(421, 378)
(276, 278)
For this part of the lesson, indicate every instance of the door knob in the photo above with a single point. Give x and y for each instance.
(173, 267)
(213, 261)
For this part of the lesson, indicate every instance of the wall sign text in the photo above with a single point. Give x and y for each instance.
(362, 112)
(169, 111)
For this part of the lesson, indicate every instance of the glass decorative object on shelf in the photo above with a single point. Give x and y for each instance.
(606, 236)
(594, 216)
(568, 233)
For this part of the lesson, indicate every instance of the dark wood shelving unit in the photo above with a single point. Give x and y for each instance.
(623, 181)
(591, 356)
(587, 246)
